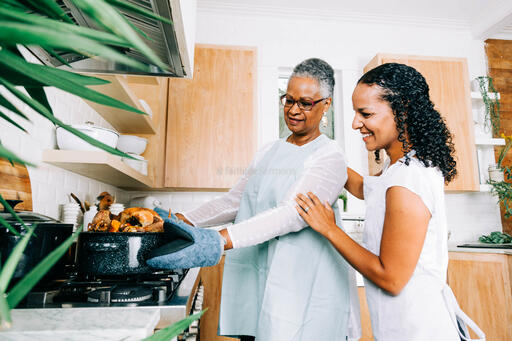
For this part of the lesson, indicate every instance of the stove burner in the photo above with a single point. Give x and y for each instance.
(120, 294)
(79, 291)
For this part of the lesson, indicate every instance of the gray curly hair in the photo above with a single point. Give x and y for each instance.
(318, 69)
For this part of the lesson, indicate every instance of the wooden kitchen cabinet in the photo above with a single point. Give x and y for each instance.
(482, 284)
(211, 279)
(211, 120)
(448, 81)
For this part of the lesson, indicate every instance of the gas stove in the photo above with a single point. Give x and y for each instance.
(155, 289)
(175, 294)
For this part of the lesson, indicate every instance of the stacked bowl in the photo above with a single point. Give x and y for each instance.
(69, 214)
(134, 146)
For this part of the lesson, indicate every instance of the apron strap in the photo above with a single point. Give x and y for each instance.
(459, 318)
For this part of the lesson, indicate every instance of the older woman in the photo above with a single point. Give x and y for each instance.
(283, 281)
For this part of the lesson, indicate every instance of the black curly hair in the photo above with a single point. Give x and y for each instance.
(420, 126)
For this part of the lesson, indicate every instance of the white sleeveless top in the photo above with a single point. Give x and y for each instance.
(419, 312)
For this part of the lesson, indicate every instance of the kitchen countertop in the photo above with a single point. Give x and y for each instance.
(454, 248)
(120, 323)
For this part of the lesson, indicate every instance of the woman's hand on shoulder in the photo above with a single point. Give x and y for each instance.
(317, 215)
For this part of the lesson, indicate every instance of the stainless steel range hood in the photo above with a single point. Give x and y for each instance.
(165, 41)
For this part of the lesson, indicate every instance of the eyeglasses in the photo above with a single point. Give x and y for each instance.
(303, 104)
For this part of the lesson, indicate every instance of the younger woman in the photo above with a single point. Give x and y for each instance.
(404, 256)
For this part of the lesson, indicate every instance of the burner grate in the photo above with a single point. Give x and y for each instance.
(120, 295)
(77, 291)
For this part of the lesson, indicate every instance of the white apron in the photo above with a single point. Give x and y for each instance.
(426, 308)
(294, 287)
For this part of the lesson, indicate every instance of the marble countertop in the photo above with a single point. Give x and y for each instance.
(77, 324)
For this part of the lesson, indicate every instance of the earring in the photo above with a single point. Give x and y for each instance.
(325, 121)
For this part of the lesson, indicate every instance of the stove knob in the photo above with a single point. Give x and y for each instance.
(161, 294)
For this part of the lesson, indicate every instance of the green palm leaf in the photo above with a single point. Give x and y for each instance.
(15, 4)
(18, 79)
(9, 106)
(12, 261)
(48, 7)
(99, 36)
(10, 265)
(8, 155)
(21, 288)
(9, 209)
(56, 56)
(38, 94)
(13, 62)
(8, 119)
(5, 314)
(110, 19)
(8, 226)
(174, 330)
(71, 76)
(21, 33)
(137, 9)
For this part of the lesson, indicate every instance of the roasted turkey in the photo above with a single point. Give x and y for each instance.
(134, 219)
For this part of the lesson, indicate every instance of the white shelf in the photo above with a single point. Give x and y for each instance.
(98, 165)
(478, 96)
(485, 141)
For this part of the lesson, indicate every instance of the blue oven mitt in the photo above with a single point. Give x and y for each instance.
(189, 246)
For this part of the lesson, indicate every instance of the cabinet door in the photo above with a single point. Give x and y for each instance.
(448, 81)
(211, 278)
(481, 283)
(211, 135)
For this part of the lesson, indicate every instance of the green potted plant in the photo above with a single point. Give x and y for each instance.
(45, 24)
(490, 97)
(499, 187)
